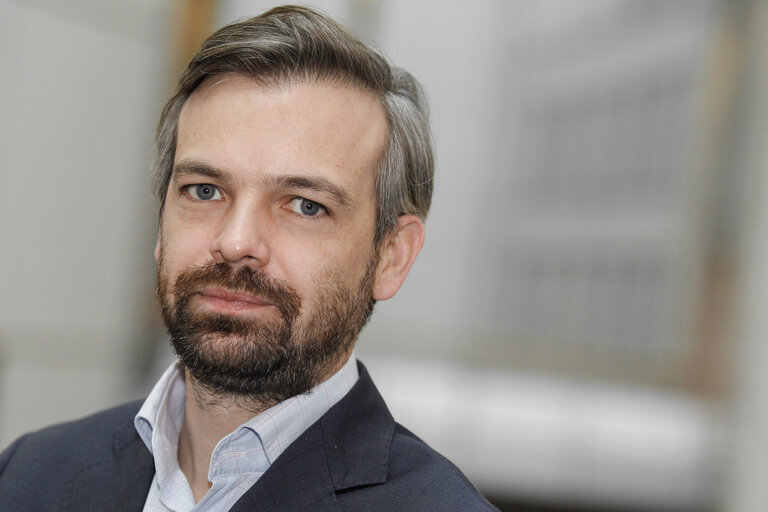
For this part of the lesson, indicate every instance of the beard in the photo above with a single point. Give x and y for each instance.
(265, 360)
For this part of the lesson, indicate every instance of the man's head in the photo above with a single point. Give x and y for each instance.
(296, 44)
(295, 169)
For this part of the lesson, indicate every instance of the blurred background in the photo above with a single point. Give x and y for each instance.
(587, 326)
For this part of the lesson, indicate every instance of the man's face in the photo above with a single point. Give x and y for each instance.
(266, 255)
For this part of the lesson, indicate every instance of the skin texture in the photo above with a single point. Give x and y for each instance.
(255, 154)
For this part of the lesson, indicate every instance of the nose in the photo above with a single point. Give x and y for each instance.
(242, 236)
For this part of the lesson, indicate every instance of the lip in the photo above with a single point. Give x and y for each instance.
(229, 301)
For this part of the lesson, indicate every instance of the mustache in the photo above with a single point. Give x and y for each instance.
(243, 279)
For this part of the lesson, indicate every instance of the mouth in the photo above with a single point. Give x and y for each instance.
(226, 301)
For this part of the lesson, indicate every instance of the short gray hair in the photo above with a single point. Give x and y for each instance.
(297, 44)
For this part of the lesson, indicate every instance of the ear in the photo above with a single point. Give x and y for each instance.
(398, 252)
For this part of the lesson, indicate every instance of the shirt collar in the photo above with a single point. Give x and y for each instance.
(159, 421)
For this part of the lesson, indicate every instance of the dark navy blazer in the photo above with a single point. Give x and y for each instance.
(354, 458)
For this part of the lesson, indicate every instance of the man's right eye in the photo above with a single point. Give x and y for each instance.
(204, 192)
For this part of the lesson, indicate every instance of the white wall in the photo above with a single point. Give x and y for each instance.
(78, 102)
(748, 464)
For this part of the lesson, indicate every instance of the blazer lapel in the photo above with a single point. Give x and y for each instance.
(358, 432)
(120, 483)
(297, 481)
(347, 447)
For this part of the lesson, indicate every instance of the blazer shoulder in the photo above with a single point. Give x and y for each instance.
(418, 479)
(377, 464)
(73, 465)
(69, 443)
(427, 480)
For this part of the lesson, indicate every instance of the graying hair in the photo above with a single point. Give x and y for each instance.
(296, 44)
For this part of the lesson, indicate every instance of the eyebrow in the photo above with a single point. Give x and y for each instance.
(314, 183)
(196, 168)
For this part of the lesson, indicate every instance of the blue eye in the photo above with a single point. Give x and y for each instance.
(306, 207)
(205, 192)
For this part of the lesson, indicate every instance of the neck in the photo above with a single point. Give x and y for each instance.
(208, 418)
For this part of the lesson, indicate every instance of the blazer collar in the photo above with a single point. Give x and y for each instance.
(348, 447)
(358, 433)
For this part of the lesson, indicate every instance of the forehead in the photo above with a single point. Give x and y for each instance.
(248, 129)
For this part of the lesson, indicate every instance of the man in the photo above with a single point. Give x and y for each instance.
(294, 171)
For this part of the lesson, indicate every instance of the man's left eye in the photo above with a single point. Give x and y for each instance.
(306, 206)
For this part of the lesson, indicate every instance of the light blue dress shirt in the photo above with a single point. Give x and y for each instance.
(241, 457)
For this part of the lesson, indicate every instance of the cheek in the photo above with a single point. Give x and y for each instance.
(173, 261)
(184, 242)
(312, 273)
